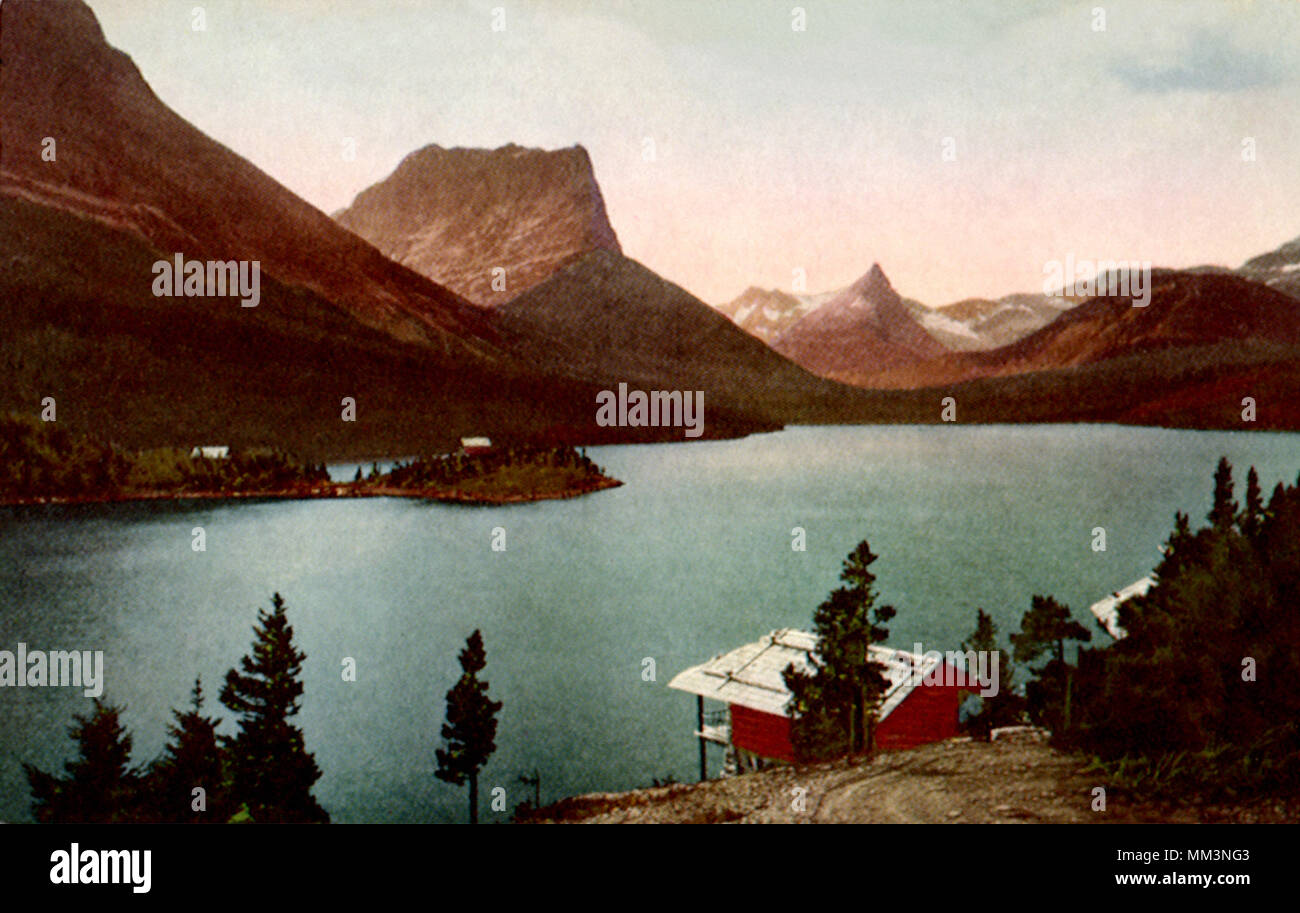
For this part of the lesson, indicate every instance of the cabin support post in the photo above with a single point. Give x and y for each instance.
(699, 727)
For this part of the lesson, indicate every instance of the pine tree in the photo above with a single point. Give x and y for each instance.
(271, 772)
(1224, 512)
(100, 786)
(833, 705)
(469, 734)
(1044, 629)
(1189, 676)
(1005, 707)
(191, 759)
(1253, 516)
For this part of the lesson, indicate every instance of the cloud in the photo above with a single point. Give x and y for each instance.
(1208, 62)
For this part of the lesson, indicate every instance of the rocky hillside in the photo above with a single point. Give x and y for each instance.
(127, 161)
(487, 223)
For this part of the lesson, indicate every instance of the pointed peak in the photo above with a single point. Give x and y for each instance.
(872, 281)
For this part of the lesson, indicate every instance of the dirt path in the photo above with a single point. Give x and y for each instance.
(1017, 780)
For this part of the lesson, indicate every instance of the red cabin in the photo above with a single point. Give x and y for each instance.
(920, 704)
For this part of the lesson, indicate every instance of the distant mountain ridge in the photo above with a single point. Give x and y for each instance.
(865, 329)
(969, 325)
(766, 313)
(488, 223)
(1001, 321)
(1186, 311)
(1279, 269)
(133, 183)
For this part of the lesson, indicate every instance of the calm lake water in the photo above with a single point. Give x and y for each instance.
(691, 557)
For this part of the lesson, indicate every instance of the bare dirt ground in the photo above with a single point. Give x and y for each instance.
(1018, 779)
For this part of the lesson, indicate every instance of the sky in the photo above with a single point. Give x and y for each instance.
(962, 145)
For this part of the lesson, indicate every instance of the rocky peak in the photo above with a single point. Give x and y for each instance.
(488, 223)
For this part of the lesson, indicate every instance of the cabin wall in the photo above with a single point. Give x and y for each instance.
(928, 714)
(765, 734)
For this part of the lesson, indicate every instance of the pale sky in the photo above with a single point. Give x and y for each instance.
(776, 150)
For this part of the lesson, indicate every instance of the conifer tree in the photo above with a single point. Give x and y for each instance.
(99, 786)
(1005, 707)
(1189, 676)
(1224, 512)
(271, 772)
(191, 759)
(1253, 516)
(469, 734)
(1044, 630)
(833, 705)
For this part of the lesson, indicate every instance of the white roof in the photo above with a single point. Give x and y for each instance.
(1107, 610)
(751, 675)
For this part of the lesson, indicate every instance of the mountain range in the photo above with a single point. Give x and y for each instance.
(853, 335)
(486, 291)
(1187, 312)
(128, 183)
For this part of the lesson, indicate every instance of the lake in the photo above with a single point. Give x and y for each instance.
(691, 557)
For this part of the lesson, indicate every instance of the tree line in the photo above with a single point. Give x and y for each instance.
(44, 459)
(263, 773)
(448, 470)
(1202, 693)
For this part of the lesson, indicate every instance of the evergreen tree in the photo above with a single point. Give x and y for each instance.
(191, 759)
(1224, 512)
(469, 734)
(1005, 707)
(99, 786)
(1253, 517)
(1212, 653)
(833, 705)
(1044, 630)
(271, 772)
